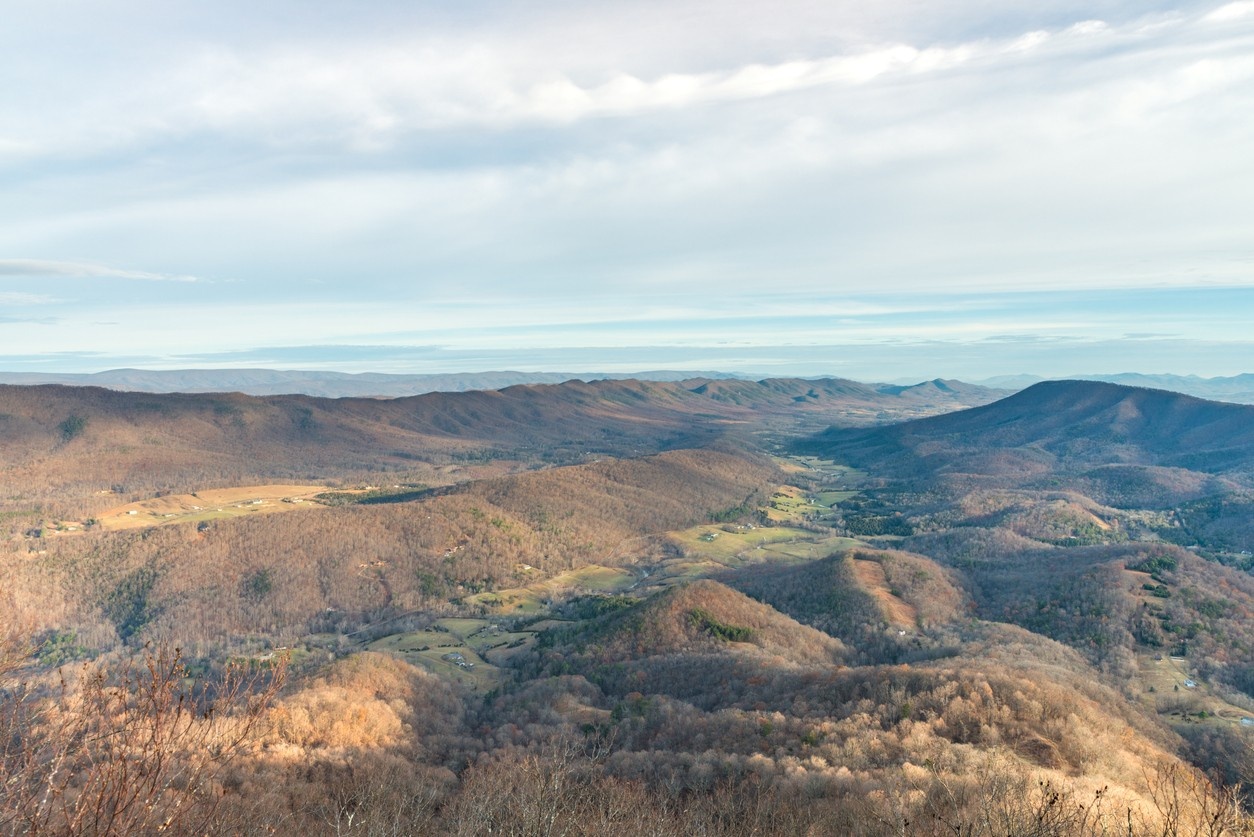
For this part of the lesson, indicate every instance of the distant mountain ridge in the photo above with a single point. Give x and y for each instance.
(57, 436)
(1235, 388)
(322, 384)
(1064, 424)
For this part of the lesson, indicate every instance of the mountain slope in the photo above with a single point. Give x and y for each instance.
(1074, 424)
(701, 617)
(76, 442)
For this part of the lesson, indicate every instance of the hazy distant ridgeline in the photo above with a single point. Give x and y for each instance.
(371, 384)
(320, 384)
(323, 384)
(66, 444)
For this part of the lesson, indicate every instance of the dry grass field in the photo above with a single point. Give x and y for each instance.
(210, 504)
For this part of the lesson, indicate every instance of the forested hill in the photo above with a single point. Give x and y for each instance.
(77, 441)
(1069, 424)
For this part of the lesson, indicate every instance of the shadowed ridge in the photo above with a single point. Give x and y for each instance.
(1085, 423)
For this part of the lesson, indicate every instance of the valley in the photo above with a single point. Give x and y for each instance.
(1038, 610)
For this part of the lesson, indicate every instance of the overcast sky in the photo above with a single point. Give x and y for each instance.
(878, 190)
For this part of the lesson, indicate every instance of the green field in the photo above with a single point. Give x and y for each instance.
(530, 599)
(471, 638)
(718, 544)
(462, 628)
(831, 498)
(790, 503)
(809, 550)
(1165, 679)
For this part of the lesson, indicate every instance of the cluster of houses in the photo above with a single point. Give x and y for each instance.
(458, 660)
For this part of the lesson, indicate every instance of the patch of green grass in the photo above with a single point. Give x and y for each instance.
(831, 498)
(810, 550)
(673, 572)
(486, 640)
(790, 503)
(530, 600)
(429, 648)
(374, 496)
(598, 579)
(462, 628)
(726, 546)
(481, 676)
(417, 641)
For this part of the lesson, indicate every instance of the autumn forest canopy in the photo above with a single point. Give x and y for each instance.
(710, 606)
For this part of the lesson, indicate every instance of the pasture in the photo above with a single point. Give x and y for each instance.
(533, 598)
(210, 504)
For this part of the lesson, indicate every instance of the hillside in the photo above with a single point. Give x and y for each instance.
(84, 450)
(698, 618)
(281, 577)
(1113, 519)
(887, 606)
(1063, 424)
(1236, 388)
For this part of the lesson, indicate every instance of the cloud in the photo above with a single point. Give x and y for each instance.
(7, 320)
(376, 94)
(20, 298)
(642, 172)
(1231, 12)
(31, 268)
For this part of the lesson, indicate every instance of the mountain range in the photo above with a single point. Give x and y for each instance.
(325, 384)
(709, 606)
(319, 383)
(59, 441)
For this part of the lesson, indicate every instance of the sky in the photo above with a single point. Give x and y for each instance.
(883, 191)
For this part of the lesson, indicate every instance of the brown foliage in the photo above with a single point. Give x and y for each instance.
(127, 751)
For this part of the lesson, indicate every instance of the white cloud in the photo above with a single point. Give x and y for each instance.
(27, 268)
(372, 96)
(1231, 12)
(19, 298)
(628, 163)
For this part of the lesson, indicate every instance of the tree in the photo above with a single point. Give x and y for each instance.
(138, 750)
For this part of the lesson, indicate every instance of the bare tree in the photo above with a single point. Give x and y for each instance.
(137, 751)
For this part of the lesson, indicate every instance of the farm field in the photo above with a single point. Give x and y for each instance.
(210, 504)
(457, 649)
(827, 499)
(719, 544)
(790, 503)
(530, 599)
(1174, 694)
